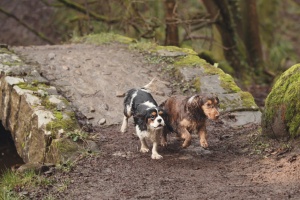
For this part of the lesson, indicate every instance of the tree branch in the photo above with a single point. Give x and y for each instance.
(82, 9)
(39, 34)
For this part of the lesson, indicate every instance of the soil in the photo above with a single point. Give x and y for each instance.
(239, 163)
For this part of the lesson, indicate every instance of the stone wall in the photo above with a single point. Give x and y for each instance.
(28, 105)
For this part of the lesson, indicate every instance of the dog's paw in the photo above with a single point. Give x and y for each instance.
(164, 144)
(144, 150)
(186, 144)
(156, 156)
(203, 143)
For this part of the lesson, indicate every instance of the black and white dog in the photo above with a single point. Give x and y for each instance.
(148, 117)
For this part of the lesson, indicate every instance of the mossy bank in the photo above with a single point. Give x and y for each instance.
(281, 117)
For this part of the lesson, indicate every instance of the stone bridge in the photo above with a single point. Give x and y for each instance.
(50, 91)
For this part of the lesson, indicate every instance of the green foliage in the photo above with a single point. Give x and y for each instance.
(77, 135)
(12, 182)
(278, 38)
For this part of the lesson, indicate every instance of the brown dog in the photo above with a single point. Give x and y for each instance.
(188, 114)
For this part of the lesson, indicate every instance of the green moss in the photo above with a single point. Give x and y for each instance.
(197, 84)
(285, 96)
(34, 86)
(5, 51)
(159, 59)
(58, 115)
(228, 83)
(14, 63)
(66, 123)
(248, 100)
(176, 49)
(47, 104)
(102, 38)
(143, 46)
(66, 146)
(212, 70)
(190, 61)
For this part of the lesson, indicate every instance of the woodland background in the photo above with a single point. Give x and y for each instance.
(253, 40)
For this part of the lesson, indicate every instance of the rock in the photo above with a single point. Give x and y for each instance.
(102, 121)
(51, 56)
(92, 146)
(62, 150)
(66, 67)
(92, 109)
(36, 167)
(120, 94)
(281, 116)
(54, 99)
(78, 72)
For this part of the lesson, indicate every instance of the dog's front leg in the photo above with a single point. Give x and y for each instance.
(185, 134)
(155, 154)
(203, 136)
(155, 140)
(144, 146)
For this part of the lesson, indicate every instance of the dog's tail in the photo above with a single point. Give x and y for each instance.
(150, 86)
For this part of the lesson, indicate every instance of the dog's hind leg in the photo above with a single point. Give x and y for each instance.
(164, 140)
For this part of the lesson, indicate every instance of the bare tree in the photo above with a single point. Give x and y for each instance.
(240, 34)
(172, 37)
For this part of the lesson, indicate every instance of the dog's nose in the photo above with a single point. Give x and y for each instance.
(159, 120)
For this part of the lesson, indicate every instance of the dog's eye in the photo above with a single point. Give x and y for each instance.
(152, 117)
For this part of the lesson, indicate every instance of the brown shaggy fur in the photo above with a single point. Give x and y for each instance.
(189, 114)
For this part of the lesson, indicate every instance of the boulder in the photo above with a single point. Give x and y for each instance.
(281, 117)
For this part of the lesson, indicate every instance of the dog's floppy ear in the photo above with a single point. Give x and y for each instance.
(165, 115)
(140, 118)
(194, 102)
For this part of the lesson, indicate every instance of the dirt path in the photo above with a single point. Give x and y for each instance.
(232, 168)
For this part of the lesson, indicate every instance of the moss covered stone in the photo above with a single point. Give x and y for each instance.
(62, 150)
(281, 116)
(103, 38)
(65, 122)
(5, 51)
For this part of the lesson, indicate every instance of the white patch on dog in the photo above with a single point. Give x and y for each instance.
(149, 104)
(191, 99)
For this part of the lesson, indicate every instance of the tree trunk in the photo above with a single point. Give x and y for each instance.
(251, 36)
(229, 36)
(172, 37)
